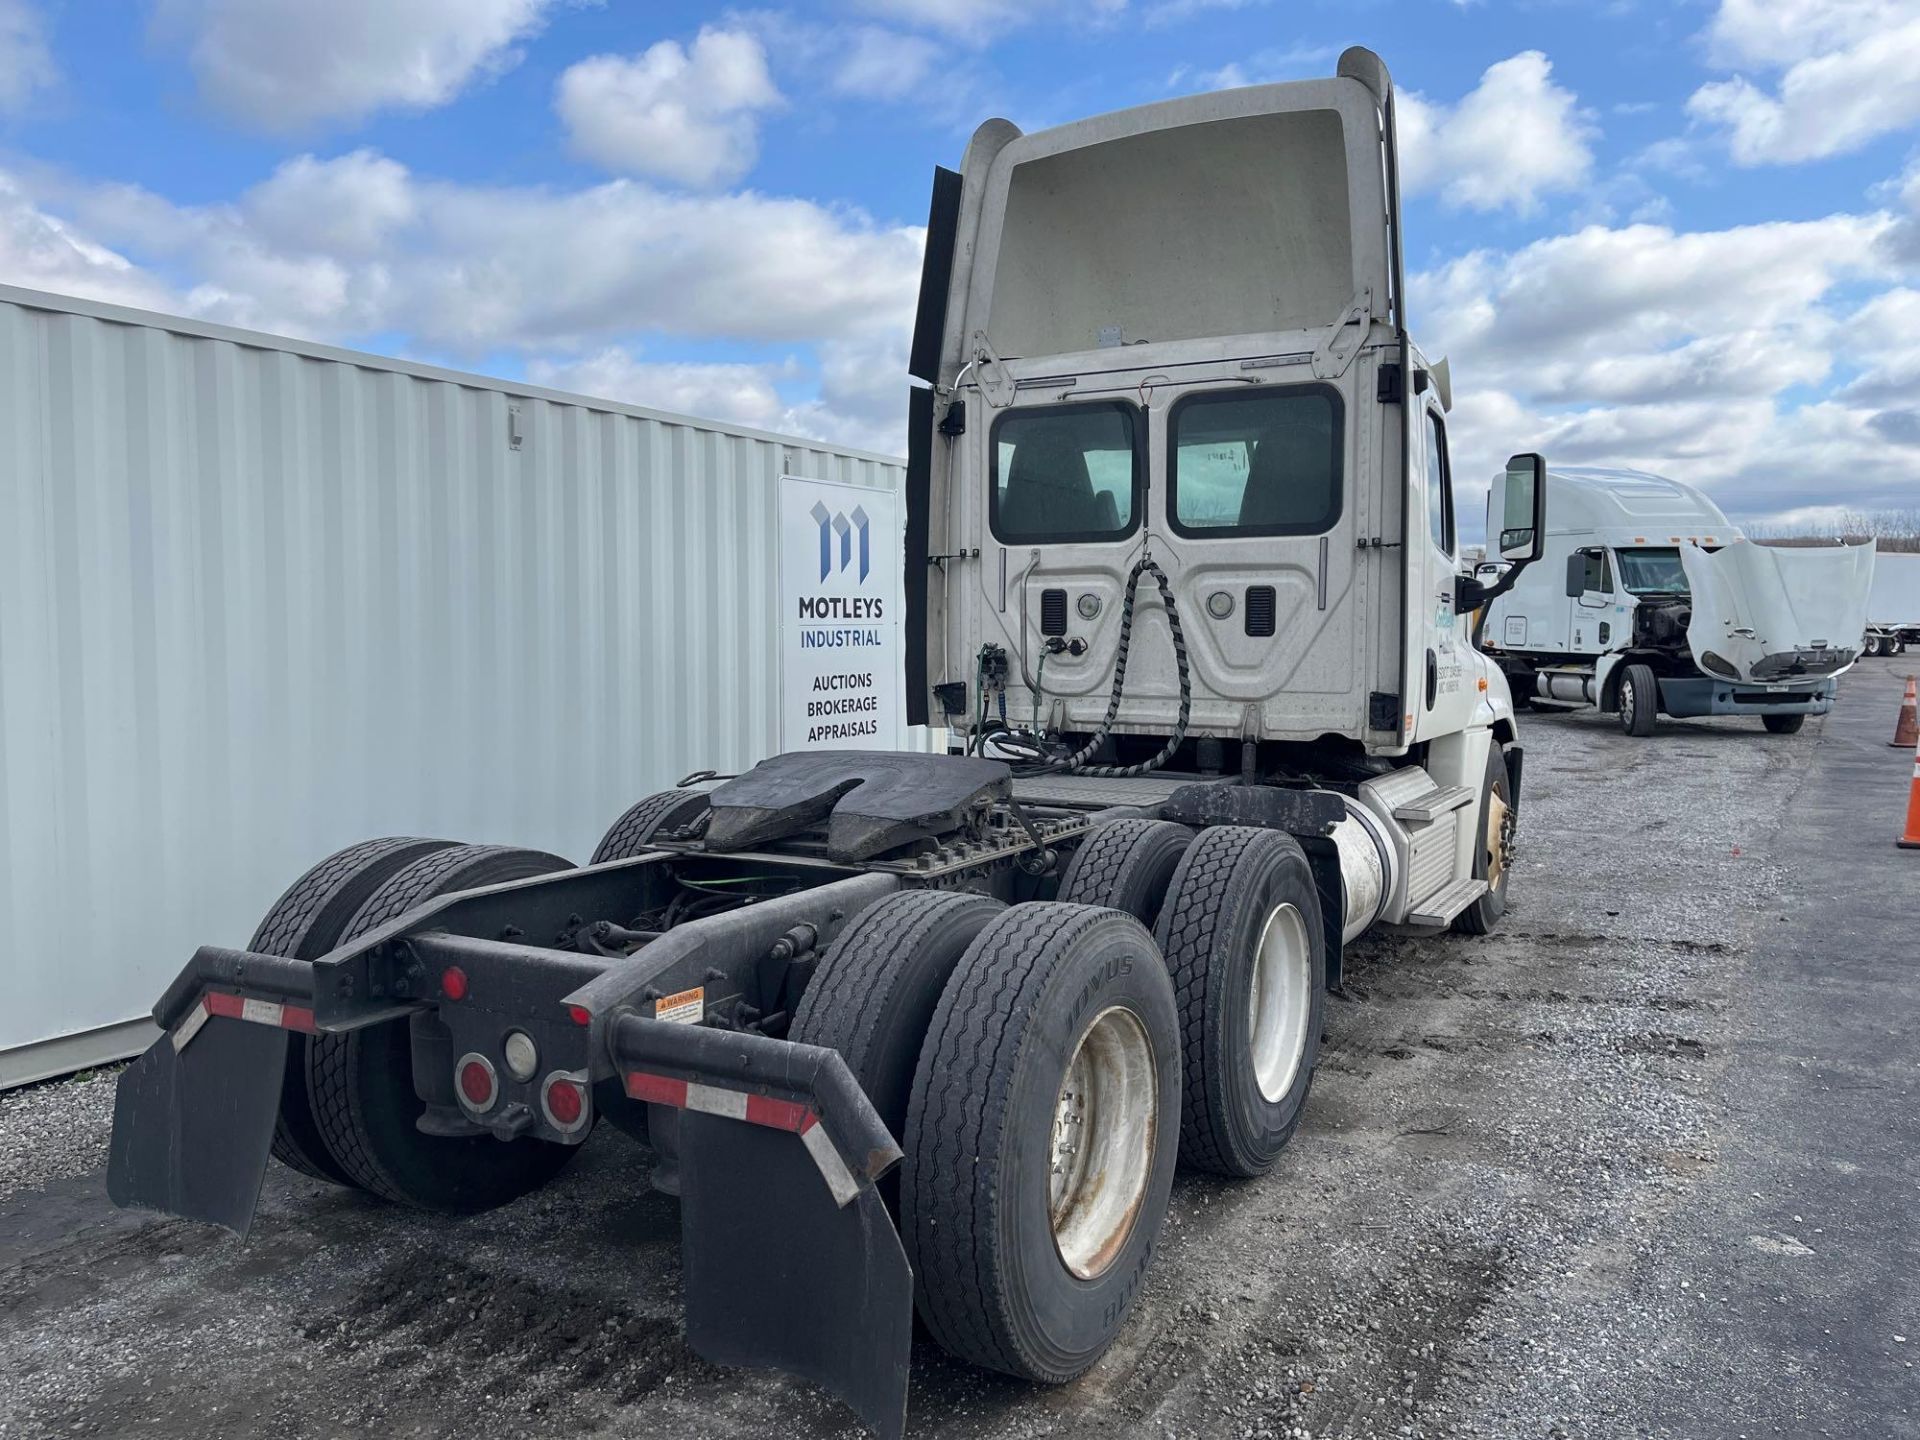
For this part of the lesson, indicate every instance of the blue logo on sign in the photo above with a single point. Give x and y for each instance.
(837, 532)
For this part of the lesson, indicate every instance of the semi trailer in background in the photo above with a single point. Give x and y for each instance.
(1893, 610)
(1650, 602)
(929, 1032)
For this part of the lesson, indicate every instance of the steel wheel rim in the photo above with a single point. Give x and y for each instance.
(1496, 838)
(1278, 1001)
(1101, 1153)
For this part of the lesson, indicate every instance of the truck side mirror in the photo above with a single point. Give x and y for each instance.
(1523, 535)
(1576, 575)
(1524, 515)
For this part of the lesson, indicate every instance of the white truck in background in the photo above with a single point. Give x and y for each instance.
(1649, 602)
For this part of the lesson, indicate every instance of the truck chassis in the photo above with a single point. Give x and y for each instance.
(665, 988)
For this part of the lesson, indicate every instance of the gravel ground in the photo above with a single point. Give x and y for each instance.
(1642, 1163)
(56, 1131)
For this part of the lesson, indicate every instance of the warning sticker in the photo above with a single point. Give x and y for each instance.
(686, 1008)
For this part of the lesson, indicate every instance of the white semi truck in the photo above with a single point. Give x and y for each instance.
(1649, 601)
(911, 1031)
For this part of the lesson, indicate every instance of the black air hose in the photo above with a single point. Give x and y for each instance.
(1076, 763)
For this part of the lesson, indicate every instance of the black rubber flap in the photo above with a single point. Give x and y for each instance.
(870, 801)
(191, 1128)
(777, 1275)
(936, 276)
(1269, 807)
(919, 509)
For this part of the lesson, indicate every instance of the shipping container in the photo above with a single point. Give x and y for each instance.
(260, 599)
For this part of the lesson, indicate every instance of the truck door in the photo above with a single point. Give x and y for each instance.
(1440, 702)
(1590, 589)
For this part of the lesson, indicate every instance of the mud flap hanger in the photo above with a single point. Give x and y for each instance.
(789, 1257)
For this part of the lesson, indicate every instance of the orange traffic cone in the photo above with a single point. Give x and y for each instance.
(1906, 730)
(1910, 837)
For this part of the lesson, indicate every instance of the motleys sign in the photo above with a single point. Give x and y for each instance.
(841, 667)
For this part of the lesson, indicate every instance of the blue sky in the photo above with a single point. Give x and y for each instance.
(1676, 235)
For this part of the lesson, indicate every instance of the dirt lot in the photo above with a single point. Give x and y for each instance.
(1645, 1163)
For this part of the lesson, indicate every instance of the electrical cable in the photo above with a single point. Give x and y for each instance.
(1076, 763)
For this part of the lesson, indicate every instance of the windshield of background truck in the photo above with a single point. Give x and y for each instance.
(1656, 570)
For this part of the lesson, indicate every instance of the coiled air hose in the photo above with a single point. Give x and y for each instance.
(1076, 763)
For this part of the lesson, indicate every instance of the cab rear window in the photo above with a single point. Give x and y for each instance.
(1256, 464)
(1066, 472)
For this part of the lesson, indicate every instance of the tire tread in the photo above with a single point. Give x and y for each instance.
(958, 1113)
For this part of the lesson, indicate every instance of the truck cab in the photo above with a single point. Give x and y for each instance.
(1175, 334)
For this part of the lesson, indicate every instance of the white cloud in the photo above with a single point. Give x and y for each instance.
(880, 64)
(1849, 71)
(1513, 138)
(980, 22)
(1264, 67)
(41, 252)
(288, 65)
(689, 114)
(471, 269)
(1778, 33)
(1685, 353)
(26, 65)
(349, 207)
(742, 393)
(860, 397)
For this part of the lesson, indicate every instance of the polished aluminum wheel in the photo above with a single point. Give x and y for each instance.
(1103, 1141)
(1280, 1001)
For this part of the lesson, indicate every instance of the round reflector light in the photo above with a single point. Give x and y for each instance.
(478, 1085)
(453, 983)
(566, 1103)
(522, 1055)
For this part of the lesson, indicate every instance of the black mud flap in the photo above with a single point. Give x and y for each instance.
(779, 1275)
(192, 1124)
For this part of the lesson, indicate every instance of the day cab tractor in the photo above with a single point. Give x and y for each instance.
(930, 1032)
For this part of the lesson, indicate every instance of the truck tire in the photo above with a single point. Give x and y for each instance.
(630, 834)
(1639, 700)
(1125, 865)
(362, 1081)
(1783, 724)
(304, 924)
(1040, 1139)
(1242, 936)
(1490, 848)
(875, 991)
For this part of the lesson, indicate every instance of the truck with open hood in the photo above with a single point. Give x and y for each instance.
(1651, 602)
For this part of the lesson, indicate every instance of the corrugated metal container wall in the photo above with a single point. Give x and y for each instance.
(261, 600)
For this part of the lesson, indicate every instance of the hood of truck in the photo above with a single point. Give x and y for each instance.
(1774, 614)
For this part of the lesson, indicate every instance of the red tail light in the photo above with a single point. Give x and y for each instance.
(579, 1014)
(453, 983)
(565, 1100)
(479, 1086)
